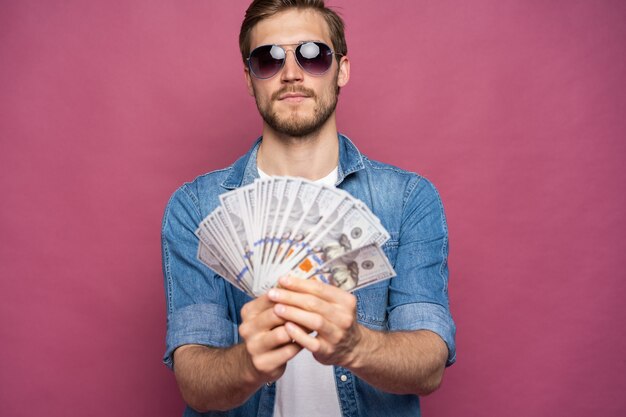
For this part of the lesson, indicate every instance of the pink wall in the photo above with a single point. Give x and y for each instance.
(515, 109)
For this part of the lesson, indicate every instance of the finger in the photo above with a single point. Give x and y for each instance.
(324, 291)
(270, 361)
(302, 300)
(261, 323)
(301, 337)
(340, 315)
(268, 319)
(307, 319)
(256, 306)
(267, 341)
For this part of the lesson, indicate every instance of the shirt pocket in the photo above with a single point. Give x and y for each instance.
(371, 309)
(391, 250)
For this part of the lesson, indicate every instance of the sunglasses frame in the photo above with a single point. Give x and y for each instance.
(282, 65)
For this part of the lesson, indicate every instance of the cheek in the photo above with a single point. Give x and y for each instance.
(329, 91)
(264, 92)
(260, 95)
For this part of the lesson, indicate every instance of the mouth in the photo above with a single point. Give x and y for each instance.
(293, 97)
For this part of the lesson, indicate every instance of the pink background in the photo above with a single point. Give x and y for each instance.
(515, 109)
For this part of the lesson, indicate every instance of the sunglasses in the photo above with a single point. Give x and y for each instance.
(265, 61)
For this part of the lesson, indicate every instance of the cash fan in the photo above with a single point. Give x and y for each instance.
(284, 225)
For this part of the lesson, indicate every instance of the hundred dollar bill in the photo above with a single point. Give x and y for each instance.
(280, 225)
(264, 189)
(248, 197)
(232, 235)
(274, 194)
(208, 236)
(328, 205)
(306, 248)
(214, 225)
(325, 206)
(210, 258)
(281, 217)
(236, 220)
(274, 211)
(349, 231)
(303, 201)
(213, 257)
(356, 269)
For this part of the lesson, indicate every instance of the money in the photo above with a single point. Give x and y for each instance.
(355, 269)
(283, 225)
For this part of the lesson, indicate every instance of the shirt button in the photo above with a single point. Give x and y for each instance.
(343, 378)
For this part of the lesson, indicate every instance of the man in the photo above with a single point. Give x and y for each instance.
(306, 348)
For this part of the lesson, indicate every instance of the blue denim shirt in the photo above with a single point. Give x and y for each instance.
(203, 308)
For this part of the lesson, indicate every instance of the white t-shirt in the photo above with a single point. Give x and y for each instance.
(307, 388)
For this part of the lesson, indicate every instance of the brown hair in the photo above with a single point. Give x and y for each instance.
(262, 9)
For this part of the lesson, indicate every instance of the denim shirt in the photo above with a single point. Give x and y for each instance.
(203, 308)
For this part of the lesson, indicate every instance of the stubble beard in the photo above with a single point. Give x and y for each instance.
(295, 124)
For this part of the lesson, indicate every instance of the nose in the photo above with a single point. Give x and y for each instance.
(291, 71)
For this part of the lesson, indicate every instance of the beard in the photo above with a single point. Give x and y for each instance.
(294, 123)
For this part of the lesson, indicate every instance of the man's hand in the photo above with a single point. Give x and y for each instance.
(268, 344)
(223, 378)
(309, 305)
(400, 362)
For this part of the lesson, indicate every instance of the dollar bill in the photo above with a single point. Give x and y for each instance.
(235, 216)
(223, 239)
(325, 207)
(283, 225)
(350, 230)
(209, 256)
(285, 207)
(355, 269)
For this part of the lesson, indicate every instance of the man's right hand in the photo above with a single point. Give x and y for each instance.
(267, 342)
(224, 378)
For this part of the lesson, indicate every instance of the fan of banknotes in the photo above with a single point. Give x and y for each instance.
(283, 225)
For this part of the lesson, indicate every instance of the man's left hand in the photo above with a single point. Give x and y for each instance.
(309, 305)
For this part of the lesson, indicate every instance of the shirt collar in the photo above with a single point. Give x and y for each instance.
(244, 170)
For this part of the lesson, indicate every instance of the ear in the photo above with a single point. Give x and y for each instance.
(246, 71)
(344, 71)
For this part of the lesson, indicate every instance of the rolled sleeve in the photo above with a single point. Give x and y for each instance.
(197, 312)
(203, 324)
(419, 293)
(426, 316)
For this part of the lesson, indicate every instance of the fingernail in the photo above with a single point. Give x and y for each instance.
(280, 308)
(273, 294)
(285, 280)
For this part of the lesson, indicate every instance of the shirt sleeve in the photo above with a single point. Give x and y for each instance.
(418, 295)
(195, 295)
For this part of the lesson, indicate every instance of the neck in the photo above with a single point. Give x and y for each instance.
(311, 157)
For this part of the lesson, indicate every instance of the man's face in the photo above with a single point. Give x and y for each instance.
(294, 102)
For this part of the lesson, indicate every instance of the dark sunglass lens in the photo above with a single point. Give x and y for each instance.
(314, 57)
(265, 61)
